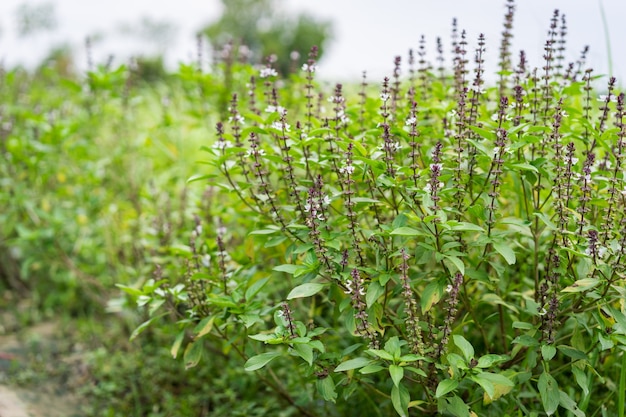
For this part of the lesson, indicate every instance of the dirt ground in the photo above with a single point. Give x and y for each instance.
(37, 395)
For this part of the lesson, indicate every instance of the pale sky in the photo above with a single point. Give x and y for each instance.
(368, 33)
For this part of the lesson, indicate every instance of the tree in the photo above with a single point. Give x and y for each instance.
(259, 25)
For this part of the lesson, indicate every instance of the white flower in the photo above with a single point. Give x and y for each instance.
(384, 97)
(496, 151)
(281, 125)
(477, 89)
(449, 288)
(268, 72)
(410, 121)
(543, 312)
(237, 118)
(278, 109)
(309, 68)
(326, 200)
(603, 97)
(600, 251)
(349, 286)
(255, 151)
(347, 169)
(222, 144)
(336, 99)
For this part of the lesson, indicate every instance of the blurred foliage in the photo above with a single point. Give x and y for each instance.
(260, 26)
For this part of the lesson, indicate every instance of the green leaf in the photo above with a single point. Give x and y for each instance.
(135, 292)
(288, 268)
(204, 327)
(193, 354)
(143, 326)
(572, 353)
(506, 252)
(177, 343)
(466, 347)
(406, 231)
(381, 354)
(305, 352)
(393, 346)
(525, 340)
(569, 404)
(259, 361)
(464, 226)
(371, 369)
(256, 287)
(582, 285)
(457, 407)
(491, 359)
(305, 290)
(353, 364)
(400, 399)
(397, 373)
(431, 295)
(549, 393)
(484, 384)
(548, 352)
(581, 379)
(446, 386)
(501, 385)
(326, 388)
(264, 231)
(374, 290)
(457, 263)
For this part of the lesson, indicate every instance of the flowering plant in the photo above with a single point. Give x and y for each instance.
(430, 246)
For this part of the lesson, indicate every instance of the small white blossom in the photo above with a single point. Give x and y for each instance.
(278, 109)
(281, 125)
(309, 68)
(410, 121)
(449, 288)
(543, 312)
(349, 286)
(600, 251)
(268, 72)
(477, 89)
(256, 151)
(384, 97)
(326, 200)
(237, 118)
(222, 144)
(347, 169)
(603, 97)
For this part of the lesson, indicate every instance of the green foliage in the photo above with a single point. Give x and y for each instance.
(428, 246)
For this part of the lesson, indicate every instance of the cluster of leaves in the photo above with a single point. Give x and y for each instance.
(431, 245)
